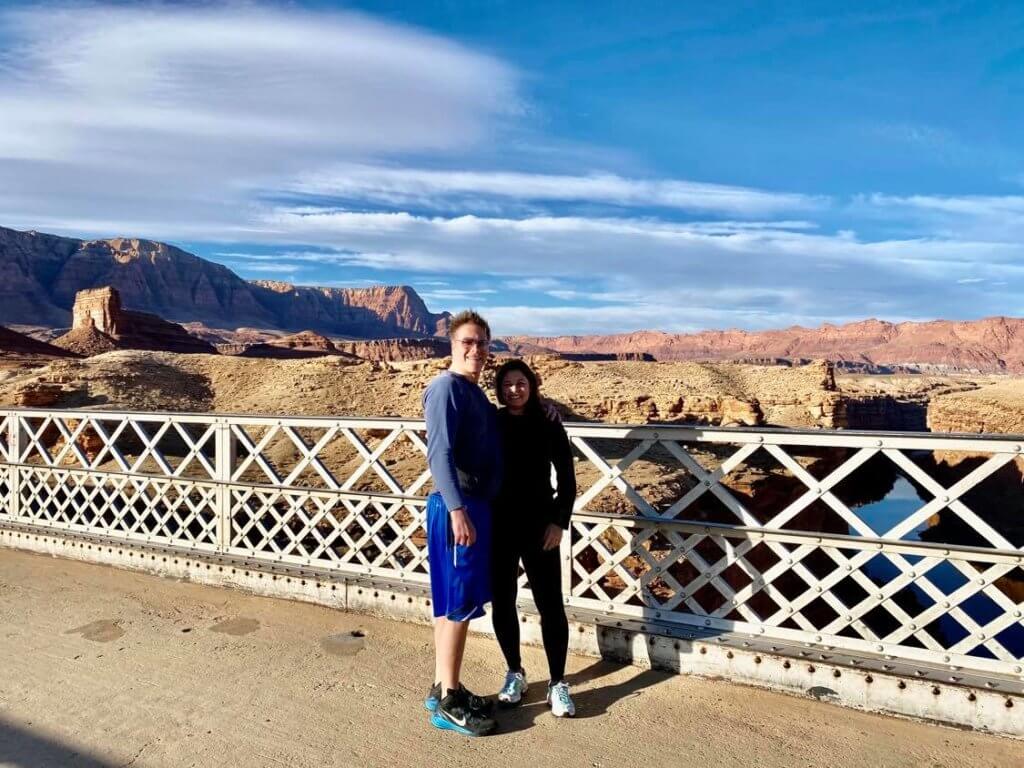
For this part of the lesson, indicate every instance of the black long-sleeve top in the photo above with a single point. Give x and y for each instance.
(531, 444)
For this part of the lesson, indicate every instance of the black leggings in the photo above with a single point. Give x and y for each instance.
(544, 572)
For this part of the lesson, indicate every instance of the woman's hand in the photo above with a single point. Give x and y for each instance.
(552, 537)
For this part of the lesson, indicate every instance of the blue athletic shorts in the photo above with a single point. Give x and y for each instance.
(460, 577)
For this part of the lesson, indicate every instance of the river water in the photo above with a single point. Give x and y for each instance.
(900, 502)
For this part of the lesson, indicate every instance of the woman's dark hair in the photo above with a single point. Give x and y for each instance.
(515, 364)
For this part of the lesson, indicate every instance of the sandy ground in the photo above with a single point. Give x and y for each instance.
(103, 667)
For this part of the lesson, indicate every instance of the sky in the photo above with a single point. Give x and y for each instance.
(563, 167)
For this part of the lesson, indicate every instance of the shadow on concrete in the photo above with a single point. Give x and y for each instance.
(593, 702)
(20, 746)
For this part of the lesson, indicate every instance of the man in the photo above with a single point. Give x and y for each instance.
(463, 452)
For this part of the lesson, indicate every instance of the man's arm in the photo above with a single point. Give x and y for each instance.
(442, 416)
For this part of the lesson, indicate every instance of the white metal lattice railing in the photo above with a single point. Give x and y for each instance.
(762, 531)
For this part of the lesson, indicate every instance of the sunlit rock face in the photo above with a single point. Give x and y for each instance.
(102, 325)
(990, 345)
(41, 275)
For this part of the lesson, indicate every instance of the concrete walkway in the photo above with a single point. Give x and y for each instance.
(103, 667)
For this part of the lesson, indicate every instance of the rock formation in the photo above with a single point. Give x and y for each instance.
(41, 274)
(296, 346)
(101, 324)
(994, 344)
(397, 349)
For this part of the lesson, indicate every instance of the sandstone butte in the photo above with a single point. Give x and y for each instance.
(40, 275)
(100, 324)
(990, 345)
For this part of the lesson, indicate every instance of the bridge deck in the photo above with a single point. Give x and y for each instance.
(171, 691)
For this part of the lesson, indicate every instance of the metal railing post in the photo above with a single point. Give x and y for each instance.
(16, 443)
(225, 465)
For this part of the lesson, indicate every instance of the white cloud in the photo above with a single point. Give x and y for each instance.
(988, 217)
(758, 276)
(165, 119)
(413, 186)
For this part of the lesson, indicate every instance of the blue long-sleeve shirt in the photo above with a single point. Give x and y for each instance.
(463, 445)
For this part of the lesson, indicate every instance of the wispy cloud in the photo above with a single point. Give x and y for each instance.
(765, 276)
(215, 102)
(436, 188)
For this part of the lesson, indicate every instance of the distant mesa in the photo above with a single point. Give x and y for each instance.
(395, 350)
(101, 324)
(989, 345)
(301, 345)
(43, 274)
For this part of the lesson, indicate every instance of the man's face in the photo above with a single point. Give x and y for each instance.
(470, 348)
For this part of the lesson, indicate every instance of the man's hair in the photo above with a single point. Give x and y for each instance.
(467, 317)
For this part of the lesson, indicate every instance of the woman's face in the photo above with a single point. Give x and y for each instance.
(515, 388)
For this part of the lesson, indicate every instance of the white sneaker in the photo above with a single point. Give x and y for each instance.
(560, 701)
(512, 691)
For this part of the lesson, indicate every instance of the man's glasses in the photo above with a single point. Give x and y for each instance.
(468, 344)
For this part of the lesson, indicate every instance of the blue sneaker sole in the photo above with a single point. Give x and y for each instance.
(440, 723)
(431, 705)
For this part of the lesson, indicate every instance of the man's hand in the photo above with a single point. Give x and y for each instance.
(550, 412)
(462, 527)
(552, 537)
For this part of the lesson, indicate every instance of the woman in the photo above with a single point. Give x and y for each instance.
(530, 518)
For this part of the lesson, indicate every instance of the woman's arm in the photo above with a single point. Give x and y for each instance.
(565, 472)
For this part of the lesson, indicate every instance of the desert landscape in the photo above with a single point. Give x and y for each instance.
(370, 353)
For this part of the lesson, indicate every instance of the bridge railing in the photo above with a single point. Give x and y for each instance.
(899, 545)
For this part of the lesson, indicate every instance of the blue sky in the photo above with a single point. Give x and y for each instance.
(564, 167)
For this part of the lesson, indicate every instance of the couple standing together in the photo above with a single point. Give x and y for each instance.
(493, 505)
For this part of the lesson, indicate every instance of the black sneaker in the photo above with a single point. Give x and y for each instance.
(481, 704)
(433, 698)
(454, 714)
